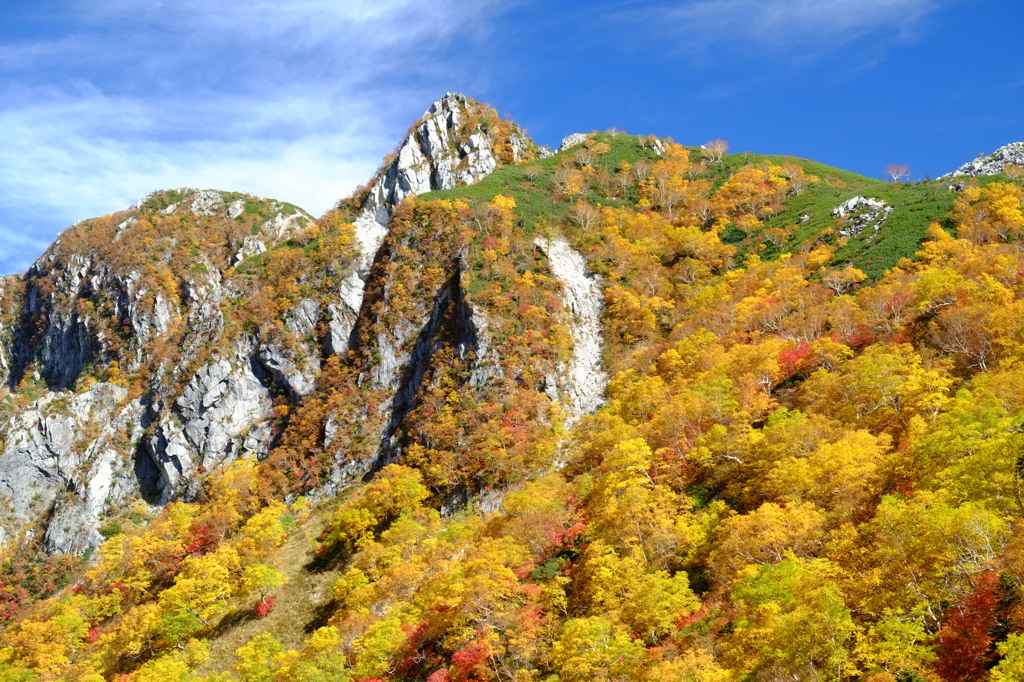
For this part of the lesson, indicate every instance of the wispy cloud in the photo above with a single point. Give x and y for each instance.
(787, 25)
(294, 100)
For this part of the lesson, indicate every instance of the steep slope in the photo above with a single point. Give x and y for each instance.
(156, 337)
(203, 316)
(632, 411)
(456, 142)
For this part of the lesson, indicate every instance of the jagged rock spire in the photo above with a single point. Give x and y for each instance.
(457, 141)
(454, 143)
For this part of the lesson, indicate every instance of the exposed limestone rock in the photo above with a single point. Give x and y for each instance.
(572, 140)
(488, 364)
(68, 339)
(298, 365)
(46, 448)
(585, 380)
(216, 419)
(207, 202)
(343, 314)
(862, 214)
(126, 224)
(82, 313)
(251, 246)
(147, 323)
(105, 481)
(282, 225)
(438, 154)
(992, 164)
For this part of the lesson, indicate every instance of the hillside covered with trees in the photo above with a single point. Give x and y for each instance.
(806, 464)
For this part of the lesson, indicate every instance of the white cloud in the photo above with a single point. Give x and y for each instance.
(65, 159)
(298, 101)
(67, 155)
(789, 25)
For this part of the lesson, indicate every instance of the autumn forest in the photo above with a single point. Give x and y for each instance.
(807, 464)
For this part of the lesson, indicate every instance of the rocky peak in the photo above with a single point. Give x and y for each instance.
(992, 164)
(457, 141)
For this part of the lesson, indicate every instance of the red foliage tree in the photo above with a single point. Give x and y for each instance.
(264, 607)
(964, 643)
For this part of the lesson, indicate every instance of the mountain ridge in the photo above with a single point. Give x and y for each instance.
(500, 405)
(221, 404)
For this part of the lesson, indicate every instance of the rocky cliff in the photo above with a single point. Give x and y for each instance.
(456, 142)
(147, 348)
(130, 364)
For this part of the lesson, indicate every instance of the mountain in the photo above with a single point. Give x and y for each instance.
(628, 410)
(215, 305)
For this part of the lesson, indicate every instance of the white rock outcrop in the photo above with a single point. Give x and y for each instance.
(861, 214)
(221, 415)
(251, 246)
(295, 365)
(105, 482)
(992, 164)
(585, 380)
(572, 140)
(68, 459)
(207, 202)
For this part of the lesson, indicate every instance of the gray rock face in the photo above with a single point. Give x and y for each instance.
(215, 420)
(207, 202)
(68, 341)
(295, 367)
(68, 461)
(48, 451)
(992, 164)
(863, 214)
(107, 480)
(251, 246)
(343, 313)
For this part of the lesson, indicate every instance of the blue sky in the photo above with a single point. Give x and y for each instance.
(103, 101)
